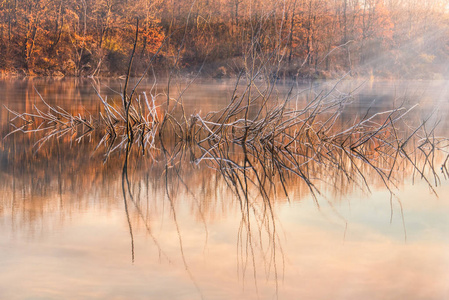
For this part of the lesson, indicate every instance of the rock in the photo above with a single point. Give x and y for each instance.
(58, 74)
(220, 73)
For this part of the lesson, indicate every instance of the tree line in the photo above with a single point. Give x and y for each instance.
(302, 38)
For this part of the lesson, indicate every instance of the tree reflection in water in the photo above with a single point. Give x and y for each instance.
(262, 155)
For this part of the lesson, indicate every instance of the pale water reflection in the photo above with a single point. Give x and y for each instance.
(72, 228)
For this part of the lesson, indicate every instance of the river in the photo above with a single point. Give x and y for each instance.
(74, 226)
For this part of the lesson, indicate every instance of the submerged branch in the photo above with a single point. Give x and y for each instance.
(254, 140)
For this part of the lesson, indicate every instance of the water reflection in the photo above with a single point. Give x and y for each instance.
(179, 226)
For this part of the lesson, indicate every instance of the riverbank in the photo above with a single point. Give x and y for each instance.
(231, 69)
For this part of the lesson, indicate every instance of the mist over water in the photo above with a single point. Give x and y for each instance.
(73, 225)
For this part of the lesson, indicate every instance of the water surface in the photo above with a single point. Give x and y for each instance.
(73, 226)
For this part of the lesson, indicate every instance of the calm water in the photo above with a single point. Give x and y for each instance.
(72, 227)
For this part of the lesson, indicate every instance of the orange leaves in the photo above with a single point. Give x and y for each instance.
(92, 36)
(152, 37)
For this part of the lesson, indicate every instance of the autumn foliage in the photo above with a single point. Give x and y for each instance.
(314, 38)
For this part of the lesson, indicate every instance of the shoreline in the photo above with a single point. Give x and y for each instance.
(214, 74)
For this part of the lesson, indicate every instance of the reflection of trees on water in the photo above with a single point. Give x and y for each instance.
(223, 162)
(63, 178)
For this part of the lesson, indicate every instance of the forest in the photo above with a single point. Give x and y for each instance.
(299, 38)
